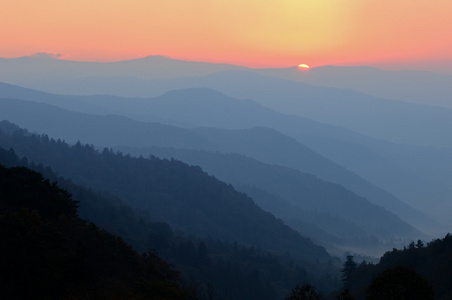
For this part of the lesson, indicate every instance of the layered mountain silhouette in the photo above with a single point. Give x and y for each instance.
(54, 74)
(327, 213)
(388, 165)
(112, 131)
(262, 143)
(236, 174)
(28, 199)
(409, 86)
(184, 196)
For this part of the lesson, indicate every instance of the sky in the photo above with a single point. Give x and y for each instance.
(398, 34)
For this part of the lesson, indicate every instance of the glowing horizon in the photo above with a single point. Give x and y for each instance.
(407, 33)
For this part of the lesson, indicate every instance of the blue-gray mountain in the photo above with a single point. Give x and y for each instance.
(126, 77)
(184, 196)
(259, 142)
(325, 212)
(209, 264)
(411, 173)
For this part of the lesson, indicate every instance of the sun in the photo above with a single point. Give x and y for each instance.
(303, 66)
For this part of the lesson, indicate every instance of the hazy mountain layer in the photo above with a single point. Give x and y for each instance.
(409, 86)
(377, 160)
(61, 76)
(39, 70)
(329, 213)
(411, 173)
(261, 143)
(333, 205)
(390, 120)
(100, 130)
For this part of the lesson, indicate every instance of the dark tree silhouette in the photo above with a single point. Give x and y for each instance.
(349, 267)
(419, 244)
(49, 252)
(400, 283)
(305, 292)
(345, 295)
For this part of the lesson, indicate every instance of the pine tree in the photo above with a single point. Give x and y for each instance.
(349, 267)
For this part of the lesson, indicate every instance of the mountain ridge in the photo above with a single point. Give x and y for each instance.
(101, 131)
(184, 196)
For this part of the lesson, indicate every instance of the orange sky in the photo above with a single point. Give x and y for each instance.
(258, 33)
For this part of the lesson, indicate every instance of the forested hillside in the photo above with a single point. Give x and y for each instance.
(337, 217)
(208, 264)
(185, 197)
(51, 253)
(408, 172)
(263, 143)
(422, 271)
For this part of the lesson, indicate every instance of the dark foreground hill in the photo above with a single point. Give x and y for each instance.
(397, 271)
(50, 253)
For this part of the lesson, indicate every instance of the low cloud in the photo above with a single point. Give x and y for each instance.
(47, 55)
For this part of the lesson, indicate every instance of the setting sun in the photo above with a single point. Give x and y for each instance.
(303, 66)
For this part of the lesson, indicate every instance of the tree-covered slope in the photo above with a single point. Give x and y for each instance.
(265, 144)
(297, 198)
(185, 197)
(418, 173)
(49, 252)
(208, 266)
(432, 261)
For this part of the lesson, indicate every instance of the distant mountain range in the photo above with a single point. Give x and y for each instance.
(395, 121)
(151, 67)
(410, 86)
(81, 78)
